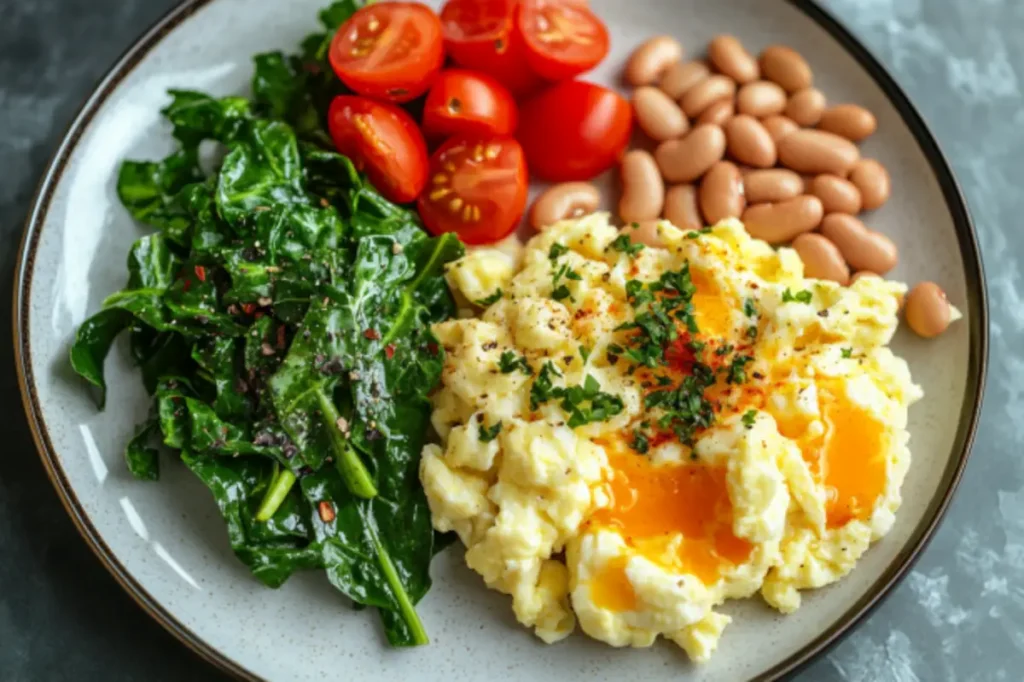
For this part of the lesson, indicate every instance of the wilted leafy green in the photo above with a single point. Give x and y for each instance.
(274, 549)
(280, 317)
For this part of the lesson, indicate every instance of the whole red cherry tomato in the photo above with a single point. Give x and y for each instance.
(574, 131)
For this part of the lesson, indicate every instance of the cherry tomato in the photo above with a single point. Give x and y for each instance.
(563, 37)
(483, 35)
(574, 131)
(477, 189)
(389, 50)
(384, 142)
(467, 103)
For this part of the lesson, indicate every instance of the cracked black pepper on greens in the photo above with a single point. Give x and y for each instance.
(280, 318)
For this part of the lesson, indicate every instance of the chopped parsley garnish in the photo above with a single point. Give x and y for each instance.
(625, 245)
(557, 251)
(588, 403)
(585, 403)
(640, 442)
(487, 434)
(752, 331)
(510, 362)
(749, 307)
(799, 297)
(490, 300)
(543, 389)
(748, 418)
(585, 353)
(737, 369)
(561, 292)
(847, 352)
(724, 349)
(707, 229)
(685, 408)
(659, 306)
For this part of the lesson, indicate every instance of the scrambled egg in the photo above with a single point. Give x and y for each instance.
(758, 448)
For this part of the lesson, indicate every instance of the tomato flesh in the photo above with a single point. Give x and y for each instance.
(483, 35)
(563, 37)
(389, 50)
(468, 103)
(574, 131)
(478, 189)
(382, 141)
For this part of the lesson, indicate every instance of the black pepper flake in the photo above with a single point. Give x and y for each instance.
(490, 346)
(823, 313)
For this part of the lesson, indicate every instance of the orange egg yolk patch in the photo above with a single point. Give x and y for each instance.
(849, 459)
(853, 461)
(676, 515)
(711, 310)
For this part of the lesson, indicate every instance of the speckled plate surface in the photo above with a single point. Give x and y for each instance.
(166, 542)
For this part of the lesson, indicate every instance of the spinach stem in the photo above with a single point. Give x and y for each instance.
(275, 495)
(405, 605)
(346, 459)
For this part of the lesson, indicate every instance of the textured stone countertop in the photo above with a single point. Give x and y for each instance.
(958, 616)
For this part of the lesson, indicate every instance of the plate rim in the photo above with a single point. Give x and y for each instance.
(977, 304)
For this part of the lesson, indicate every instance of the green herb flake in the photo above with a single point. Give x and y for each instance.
(623, 244)
(749, 307)
(847, 352)
(489, 433)
(640, 441)
(748, 418)
(557, 251)
(490, 300)
(585, 353)
(803, 296)
(736, 372)
(510, 362)
(543, 388)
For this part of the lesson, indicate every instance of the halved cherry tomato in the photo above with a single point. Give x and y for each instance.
(574, 131)
(482, 35)
(389, 50)
(477, 189)
(468, 103)
(384, 142)
(563, 37)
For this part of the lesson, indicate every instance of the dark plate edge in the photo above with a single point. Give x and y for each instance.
(977, 305)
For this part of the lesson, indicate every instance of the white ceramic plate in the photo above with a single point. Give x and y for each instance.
(166, 542)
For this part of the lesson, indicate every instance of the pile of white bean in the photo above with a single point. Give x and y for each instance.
(752, 138)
